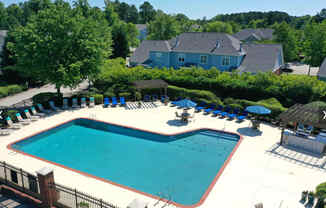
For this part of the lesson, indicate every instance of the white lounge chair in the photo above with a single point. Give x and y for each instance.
(41, 108)
(53, 107)
(83, 102)
(301, 130)
(21, 120)
(29, 116)
(91, 102)
(4, 132)
(35, 113)
(75, 103)
(65, 105)
(12, 125)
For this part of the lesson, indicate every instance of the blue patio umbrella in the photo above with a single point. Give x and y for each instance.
(257, 109)
(185, 103)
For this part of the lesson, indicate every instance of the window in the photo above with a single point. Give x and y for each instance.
(226, 61)
(181, 58)
(203, 59)
(158, 55)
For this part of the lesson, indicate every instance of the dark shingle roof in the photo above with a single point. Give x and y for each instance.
(266, 34)
(141, 26)
(141, 54)
(260, 57)
(206, 42)
(322, 69)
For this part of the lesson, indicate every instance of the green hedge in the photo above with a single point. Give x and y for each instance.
(195, 95)
(44, 98)
(10, 90)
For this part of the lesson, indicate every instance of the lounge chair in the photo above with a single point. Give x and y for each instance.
(200, 107)
(154, 98)
(177, 115)
(83, 102)
(122, 101)
(21, 120)
(12, 125)
(29, 116)
(218, 111)
(210, 109)
(53, 107)
(309, 129)
(231, 116)
(114, 102)
(225, 112)
(4, 132)
(35, 113)
(301, 130)
(242, 116)
(147, 98)
(91, 102)
(106, 102)
(40, 107)
(75, 103)
(163, 98)
(65, 105)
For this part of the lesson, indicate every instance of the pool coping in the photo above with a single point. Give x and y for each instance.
(200, 202)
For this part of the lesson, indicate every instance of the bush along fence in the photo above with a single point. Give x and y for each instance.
(43, 188)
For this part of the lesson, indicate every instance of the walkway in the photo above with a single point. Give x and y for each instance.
(6, 202)
(20, 97)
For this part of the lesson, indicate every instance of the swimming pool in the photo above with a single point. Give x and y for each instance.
(180, 168)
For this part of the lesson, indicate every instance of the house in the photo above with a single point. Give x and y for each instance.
(207, 50)
(142, 28)
(322, 71)
(3, 35)
(251, 35)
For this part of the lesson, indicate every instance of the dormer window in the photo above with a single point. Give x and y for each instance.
(217, 44)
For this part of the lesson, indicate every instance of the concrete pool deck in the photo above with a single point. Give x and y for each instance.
(259, 171)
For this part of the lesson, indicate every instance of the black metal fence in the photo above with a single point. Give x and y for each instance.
(72, 198)
(19, 179)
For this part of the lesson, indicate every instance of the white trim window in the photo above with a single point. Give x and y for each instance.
(181, 58)
(158, 55)
(203, 59)
(226, 60)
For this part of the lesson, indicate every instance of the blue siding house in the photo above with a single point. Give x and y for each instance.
(142, 29)
(208, 50)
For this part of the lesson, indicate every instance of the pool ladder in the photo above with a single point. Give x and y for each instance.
(161, 199)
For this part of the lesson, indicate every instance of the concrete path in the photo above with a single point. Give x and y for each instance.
(20, 97)
(303, 69)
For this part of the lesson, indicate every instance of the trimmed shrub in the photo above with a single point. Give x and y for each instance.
(109, 94)
(98, 98)
(10, 90)
(44, 98)
(321, 190)
(236, 106)
(126, 95)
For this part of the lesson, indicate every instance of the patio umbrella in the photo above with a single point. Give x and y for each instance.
(257, 109)
(185, 103)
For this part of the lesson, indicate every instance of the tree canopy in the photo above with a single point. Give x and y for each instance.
(60, 46)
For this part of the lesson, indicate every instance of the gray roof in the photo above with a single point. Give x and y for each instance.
(141, 26)
(322, 69)
(260, 57)
(265, 34)
(141, 54)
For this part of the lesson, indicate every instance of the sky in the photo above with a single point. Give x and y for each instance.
(197, 9)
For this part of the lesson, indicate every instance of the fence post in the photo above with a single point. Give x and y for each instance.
(48, 194)
(22, 177)
(76, 199)
(101, 203)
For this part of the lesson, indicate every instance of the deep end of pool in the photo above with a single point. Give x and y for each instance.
(180, 168)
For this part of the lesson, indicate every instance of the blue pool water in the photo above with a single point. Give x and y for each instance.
(179, 168)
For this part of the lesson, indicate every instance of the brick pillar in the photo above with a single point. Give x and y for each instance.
(48, 195)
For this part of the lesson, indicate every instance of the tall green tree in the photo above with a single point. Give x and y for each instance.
(315, 43)
(285, 35)
(120, 41)
(218, 26)
(3, 17)
(110, 15)
(164, 27)
(61, 47)
(146, 12)
(133, 15)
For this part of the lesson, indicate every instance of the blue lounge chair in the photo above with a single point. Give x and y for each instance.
(200, 107)
(173, 103)
(233, 115)
(114, 102)
(163, 98)
(242, 116)
(225, 112)
(218, 111)
(154, 97)
(106, 102)
(147, 98)
(122, 101)
(210, 109)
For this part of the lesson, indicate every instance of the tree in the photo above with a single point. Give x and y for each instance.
(3, 17)
(133, 15)
(260, 23)
(315, 43)
(122, 9)
(285, 35)
(218, 26)
(61, 47)
(120, 41)
(164, 27)
(146, 12)
(110, 15)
